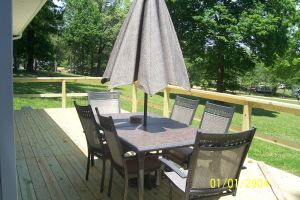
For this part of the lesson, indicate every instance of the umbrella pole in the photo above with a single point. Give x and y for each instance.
(145, 108)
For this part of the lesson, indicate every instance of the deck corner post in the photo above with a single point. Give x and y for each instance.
(134, 98)
(166, 111)
(247, 112)
(64, 94)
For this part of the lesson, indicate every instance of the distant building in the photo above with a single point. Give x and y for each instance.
(60, 69)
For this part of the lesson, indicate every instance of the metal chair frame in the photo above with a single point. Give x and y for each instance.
(101, 152)
(212, 142)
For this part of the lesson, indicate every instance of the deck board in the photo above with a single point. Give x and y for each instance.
(28, 153)
(51, 163)
(25, 181)
(78, 182)
(63, 181)
(19, 148)
(50, 180)
(39, 184)
(36, 137)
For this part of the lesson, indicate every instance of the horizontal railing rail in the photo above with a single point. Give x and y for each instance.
(248, 103)
(62, 80)
(55, 79)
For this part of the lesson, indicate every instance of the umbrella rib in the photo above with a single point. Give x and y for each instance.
(138, 53)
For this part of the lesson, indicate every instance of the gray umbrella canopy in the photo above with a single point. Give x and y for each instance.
(147, 50)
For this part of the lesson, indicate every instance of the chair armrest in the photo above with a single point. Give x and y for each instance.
(173, 166)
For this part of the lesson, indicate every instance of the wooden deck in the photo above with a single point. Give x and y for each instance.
(51, 163)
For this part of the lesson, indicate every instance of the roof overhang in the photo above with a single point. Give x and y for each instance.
(23, 12)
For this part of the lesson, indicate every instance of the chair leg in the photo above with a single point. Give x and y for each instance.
(110, 180)
(171, 192)
(92, 159)
(234, 193)
(157, 174)
(103, 175)
(88, 166)
(125, 187)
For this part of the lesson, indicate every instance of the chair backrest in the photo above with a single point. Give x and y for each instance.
(112, 139)
(218, 172)
(106, 102)
(184, 110)
(216, 118)
(89, 125)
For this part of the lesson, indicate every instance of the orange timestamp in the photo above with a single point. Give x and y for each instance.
(242, 183)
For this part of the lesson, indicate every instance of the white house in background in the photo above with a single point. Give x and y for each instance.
(15, 15)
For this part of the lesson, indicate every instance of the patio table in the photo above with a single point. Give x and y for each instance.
(159, 134)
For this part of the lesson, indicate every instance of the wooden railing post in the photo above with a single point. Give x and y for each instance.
(134, 98)
(247, 116)
(166, 111)
(63, 94)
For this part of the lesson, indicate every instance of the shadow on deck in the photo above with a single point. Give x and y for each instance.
(51, 162)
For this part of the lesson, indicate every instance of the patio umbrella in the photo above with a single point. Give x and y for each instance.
(147, 51)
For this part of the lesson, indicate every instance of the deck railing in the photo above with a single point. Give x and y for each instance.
(248, 103)
(62, 80)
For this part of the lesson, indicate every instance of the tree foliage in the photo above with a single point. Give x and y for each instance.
(36, 47)
(227, 44)
(224, 39)
(90, 29)
(287, 67)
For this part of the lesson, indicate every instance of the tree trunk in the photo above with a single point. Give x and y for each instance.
(92, 63)
(220, 73)
(99, 61)
(30, 50)
(81, 67)
(98, 69)
(16, 59)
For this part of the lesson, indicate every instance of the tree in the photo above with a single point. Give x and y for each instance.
(90, 28)
(223, 39)
(36, 46)
(287, 67)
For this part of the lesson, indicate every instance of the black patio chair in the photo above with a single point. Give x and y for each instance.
(106, 102)
(184, 110)
(125, 166)
(215, 119)
(216, 176)
(95, 140)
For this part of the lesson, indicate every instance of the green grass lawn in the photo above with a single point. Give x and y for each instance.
(282, 125)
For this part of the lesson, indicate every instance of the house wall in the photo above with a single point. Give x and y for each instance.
(8, 187)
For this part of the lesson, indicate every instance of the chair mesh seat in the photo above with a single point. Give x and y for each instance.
(181, 154)
(98, 150)
(184, 110)
(151, 164)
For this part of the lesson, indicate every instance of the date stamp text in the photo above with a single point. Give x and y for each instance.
(252, 183)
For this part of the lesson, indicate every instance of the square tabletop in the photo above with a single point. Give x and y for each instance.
(160, 132)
